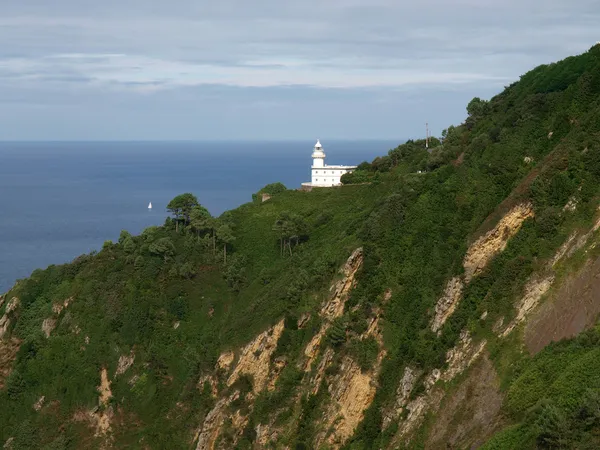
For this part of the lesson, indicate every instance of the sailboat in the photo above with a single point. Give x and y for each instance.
(150, 205)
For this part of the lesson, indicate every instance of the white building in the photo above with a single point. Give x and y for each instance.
(323, 175)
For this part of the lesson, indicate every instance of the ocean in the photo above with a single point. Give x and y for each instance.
(59, 200)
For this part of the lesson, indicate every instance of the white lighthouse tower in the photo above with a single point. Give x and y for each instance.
(318, 156)
(323, 175)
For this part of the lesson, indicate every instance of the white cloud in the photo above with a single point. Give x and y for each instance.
(85, 50)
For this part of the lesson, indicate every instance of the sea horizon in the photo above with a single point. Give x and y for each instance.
(61, 199)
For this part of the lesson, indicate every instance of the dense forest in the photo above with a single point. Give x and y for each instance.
(143, 344)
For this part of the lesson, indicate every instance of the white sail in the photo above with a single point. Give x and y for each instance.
(150, 205)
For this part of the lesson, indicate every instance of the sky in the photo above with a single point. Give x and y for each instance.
(268, 69)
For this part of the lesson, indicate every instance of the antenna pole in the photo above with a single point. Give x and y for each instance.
(426, 135)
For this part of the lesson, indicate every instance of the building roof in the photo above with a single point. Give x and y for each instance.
(318, 144)
(326, 166)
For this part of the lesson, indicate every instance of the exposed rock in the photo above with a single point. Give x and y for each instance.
(8, 353)
(100, 418)
(562, 251)
(472, 413)
(125, 362)
(58, 307)
(312, 348)
(8, 444)
(256, 357)
(570, 309)
(407, 384)
(303, 320)
(461, 356)
(484, 315)
(48, 325)
(212, 382)
(265, 197)
(213, 421)
(481, 252)
(225, 360)
(316, 380)
(528, 160)
(176, 325)
(335, 306)
(458, 359)
(351, 391)
(535, 289)
(11, 306)
(387, 296)
(38, 405)
(278, 365)
(105, 415)
(104, 388)
(571, 205)
(447, 303)
(265, 434)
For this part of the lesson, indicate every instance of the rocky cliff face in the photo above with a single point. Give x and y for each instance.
(461, 413)
(351, 391)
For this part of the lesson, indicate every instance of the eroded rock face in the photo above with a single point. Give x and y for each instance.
(334, 306)
(458, 359)
(535, 289)
(573, 307)
(5, 320)
(447, 303)
(407, 384)
(8, 353)
(472, 413)
(255, 359)
(352, 391)
(125, 362)
(100, 418)
(494, 241)
(211, 427)
(48, 325)
(225, 360)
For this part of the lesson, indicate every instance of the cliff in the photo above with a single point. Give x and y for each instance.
(449, 299)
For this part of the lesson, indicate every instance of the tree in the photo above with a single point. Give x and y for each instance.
(124, 236)
(291, 228)
(200, 219)
(477, 107)
(271, 189)
(225, 235)
(181, 207)
(163, 247)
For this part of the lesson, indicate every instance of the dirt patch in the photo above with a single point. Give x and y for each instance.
(472, 413)
(458, 161)
(8, 353)
(574, 307)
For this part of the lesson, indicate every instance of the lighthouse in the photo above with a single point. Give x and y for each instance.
(323, 175)
(318, 156)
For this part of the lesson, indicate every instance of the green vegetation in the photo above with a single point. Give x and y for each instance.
(180, 294)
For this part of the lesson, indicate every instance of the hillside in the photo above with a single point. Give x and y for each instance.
(438, 299)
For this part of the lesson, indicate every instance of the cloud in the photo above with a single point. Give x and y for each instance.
(150, 47)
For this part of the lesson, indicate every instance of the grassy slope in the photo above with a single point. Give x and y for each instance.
(415, 229)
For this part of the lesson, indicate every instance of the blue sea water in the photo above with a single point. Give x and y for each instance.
(59, 200)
